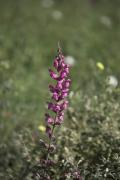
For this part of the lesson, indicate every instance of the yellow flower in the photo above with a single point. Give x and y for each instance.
(100, 66)
(42, 128)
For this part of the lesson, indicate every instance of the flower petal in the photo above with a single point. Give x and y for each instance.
(53, 74)
(49, 119)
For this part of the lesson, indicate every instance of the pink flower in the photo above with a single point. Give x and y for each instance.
(63, 95)
(53, 74)
(63, 74)
(64, 105)
(59, 92)
(56, 64)
(66, 84)
(55, 96)
(49, 119)
(59, 84)
(54, 107)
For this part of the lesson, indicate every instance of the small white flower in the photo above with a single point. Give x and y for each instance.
(106, 21)
(57, 15)
(70, 60)
(107, 169)
(47, 3)
(112, 81)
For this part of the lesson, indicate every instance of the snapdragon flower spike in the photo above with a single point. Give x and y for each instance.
(49, 119)
(59, 92)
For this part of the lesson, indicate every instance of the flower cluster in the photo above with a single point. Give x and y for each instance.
(59, 93)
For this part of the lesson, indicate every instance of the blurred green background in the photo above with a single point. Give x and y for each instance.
(89, 32)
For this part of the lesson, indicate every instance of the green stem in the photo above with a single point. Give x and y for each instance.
(48, 151)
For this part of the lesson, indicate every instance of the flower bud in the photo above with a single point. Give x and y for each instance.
(53, 74)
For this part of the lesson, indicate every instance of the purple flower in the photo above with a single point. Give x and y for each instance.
(63, 74)
(66, 84)
(59, 92)
(55, 96)
(53, 74)
(59, 119)
(54, 107)
(63, 95)
(56, 63)
(59, 85)
(49, 119)
(64, 105)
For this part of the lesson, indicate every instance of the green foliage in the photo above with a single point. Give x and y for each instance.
(89, 31)
(17, 155)
(28, 40)
(91, 142)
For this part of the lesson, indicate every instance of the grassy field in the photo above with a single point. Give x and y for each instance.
(88, 31)
(29, 31)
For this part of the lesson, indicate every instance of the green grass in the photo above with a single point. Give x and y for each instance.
(28, 44)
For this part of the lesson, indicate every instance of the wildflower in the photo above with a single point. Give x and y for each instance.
(59, 91)
(100, 66)
(112, 81)
(41, 128)
(70, 60)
